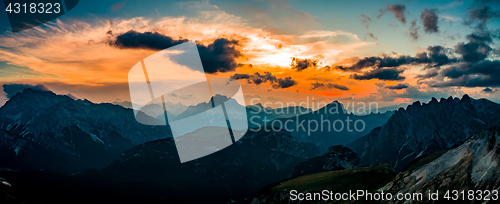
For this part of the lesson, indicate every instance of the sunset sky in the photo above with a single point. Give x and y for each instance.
(391, 52)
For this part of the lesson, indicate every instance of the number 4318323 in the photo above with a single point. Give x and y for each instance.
(34, 8)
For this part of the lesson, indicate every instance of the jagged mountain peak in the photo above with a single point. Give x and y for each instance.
(433, 100)
(333, 107)
(42, 97)
(86, 101)
(417, 105)
(30, 90)
(336, 101)
(466, 97)
(205, 105)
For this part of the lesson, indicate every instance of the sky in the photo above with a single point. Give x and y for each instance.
(389, 52)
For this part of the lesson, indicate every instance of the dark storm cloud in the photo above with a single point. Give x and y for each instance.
(470, 66)
(319, 85)
(219, 56)
(216, 57)
(413, 31)
(481, 13)
(258, 79)
(437, 55)
(398, 86)
(485, 67)
(473, 69)
(146, 40)
(386, 74)
(430, 20)
(481, 74)
(117, 7)
(379, 62)
(398, 10)
(380, 13)
(483, 36)
(240, 76)
(372, 36)
(387, 68)
(473, 52)
(434, 57)
(489, 90)
(284, 83)
(301, 64)
(13, 89)
(365, 20)
(477, 48)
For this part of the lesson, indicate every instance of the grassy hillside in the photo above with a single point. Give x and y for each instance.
(364, 178)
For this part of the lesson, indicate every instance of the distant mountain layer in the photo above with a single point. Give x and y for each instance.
(256, 115)
(329, 126)
(425, 128)
(42, 130)
(175, 109)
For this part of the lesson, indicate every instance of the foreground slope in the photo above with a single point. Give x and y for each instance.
(341, 181)
(472, 166)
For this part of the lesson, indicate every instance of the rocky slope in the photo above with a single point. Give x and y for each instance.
(472, 166)
(423, 129)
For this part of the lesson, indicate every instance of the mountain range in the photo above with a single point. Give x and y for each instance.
(469, 167)
(325, 131)
(175, 109)
(422, 129)
(42, 130)
(56, 149)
